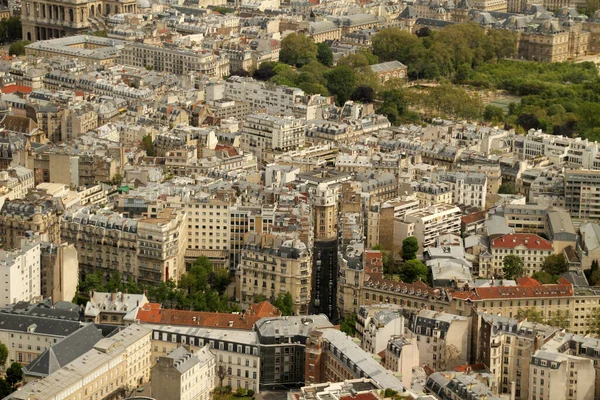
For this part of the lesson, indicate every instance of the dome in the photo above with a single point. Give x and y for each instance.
(143, 4)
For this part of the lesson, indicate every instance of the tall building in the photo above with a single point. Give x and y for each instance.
(59, 271)
(184, 375)
(38, 215)
(325, 253)
(581, 193)
(20, 273)
(558, 376)
(44, 20)
(270, 266)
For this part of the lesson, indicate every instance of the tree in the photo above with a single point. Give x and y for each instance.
(531, 314)
(393, 105)
(593, 274)
(544, 277)
(14, 374)
(555, 264)
(561, 319)
(324, 54)
(493, 114)
(222, 372)
(340, 83)
(148, 146)
(506, 188)
(410, 246)
(363, 94)
(3, 354)
(5, 388)
(348, 324)
(18, 48)
(116, 180)
(11, 29)
(265, 71)
(397, 44)
(413, 270)
(259, 298)
(284, 303)
(297, 50)
(450, 357)
(513, 267)
(100, 33)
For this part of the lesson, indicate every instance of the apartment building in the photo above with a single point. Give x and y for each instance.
(332, 356)
(18, 180)
(20, 273)
(283, 343)
(183, 375)
(271, 265)
(78, 120)
(454, 385)
(264, 133)
(59, 271)
(469, 189)
(112, 368)
(380, 328)
(236, 351)
(177, 61)
(39, 215)
(275, 99)
(561, 376)
(532, 249)
(442, 339)
(148, 250)
(429, 193)
(402, 355)
(26, 337)
(492, 173)
(426, 224)
(581, 193)
(505, 347)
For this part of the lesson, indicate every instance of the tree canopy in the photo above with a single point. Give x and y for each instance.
(297, 50)
(18, 48)
(285, 303)
(513, 267)
(414, 270)
(410, 246)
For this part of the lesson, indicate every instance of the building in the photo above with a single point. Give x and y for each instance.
(88, 49)
(402, 355)
(115, 366)
(469, 189)
(275, 99)
(183, 375)
(271, 265)
(179, 61)
(561, 376)
(145, 250)
(21, 273)
(26, 336)
(380, 328)
(236, 351)
(390, 70)
(456, 385)
(21, 217)
(114, 308)
(59, 271)
(531, 248)
(442, 339)
(580, 193)
(264, 133)
(332, 356)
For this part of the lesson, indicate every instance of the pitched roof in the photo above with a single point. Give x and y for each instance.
(561, 289)
(528, 240)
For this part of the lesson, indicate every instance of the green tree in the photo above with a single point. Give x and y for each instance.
(5, 388)
(116, 180)
(397, 44)
(324, 54)
(595, 322)
(414, 270)
(493, 114)
(348, 324)
(18, 48)
(561, 319)
(148, 146)
(410, 246)
(14, 374)
(284, 303)
(507, 188)
(265, 71)
(3, 354)
(259, 298)
(363, 94)
(593, 274)
(513, 267)
(393, 105)
(100, 33)
(11, 29)
(544, 277)
(340, 83)
(555, 264)
(531, 314)
(297, 50)
(92, 281)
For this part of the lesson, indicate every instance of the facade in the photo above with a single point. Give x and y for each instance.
(274, 99)
(263, 133)
(427, 224)
(174, 60)
(390, 70)
(86, 48)
(532, 249)
(271, 265)
(113, 308)
(402, 355)
(561, 376)
(112, 368)
(183, 375)
(39, 216)
(20, 271)
(59, 271)
(580, 193)
(147, 250)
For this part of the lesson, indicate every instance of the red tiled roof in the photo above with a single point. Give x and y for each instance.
(474, 217)
(472, 367)
(228, 149)
(529, 240)
(153, 313)
(529, 290)
(16, 88)
(528, 281)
